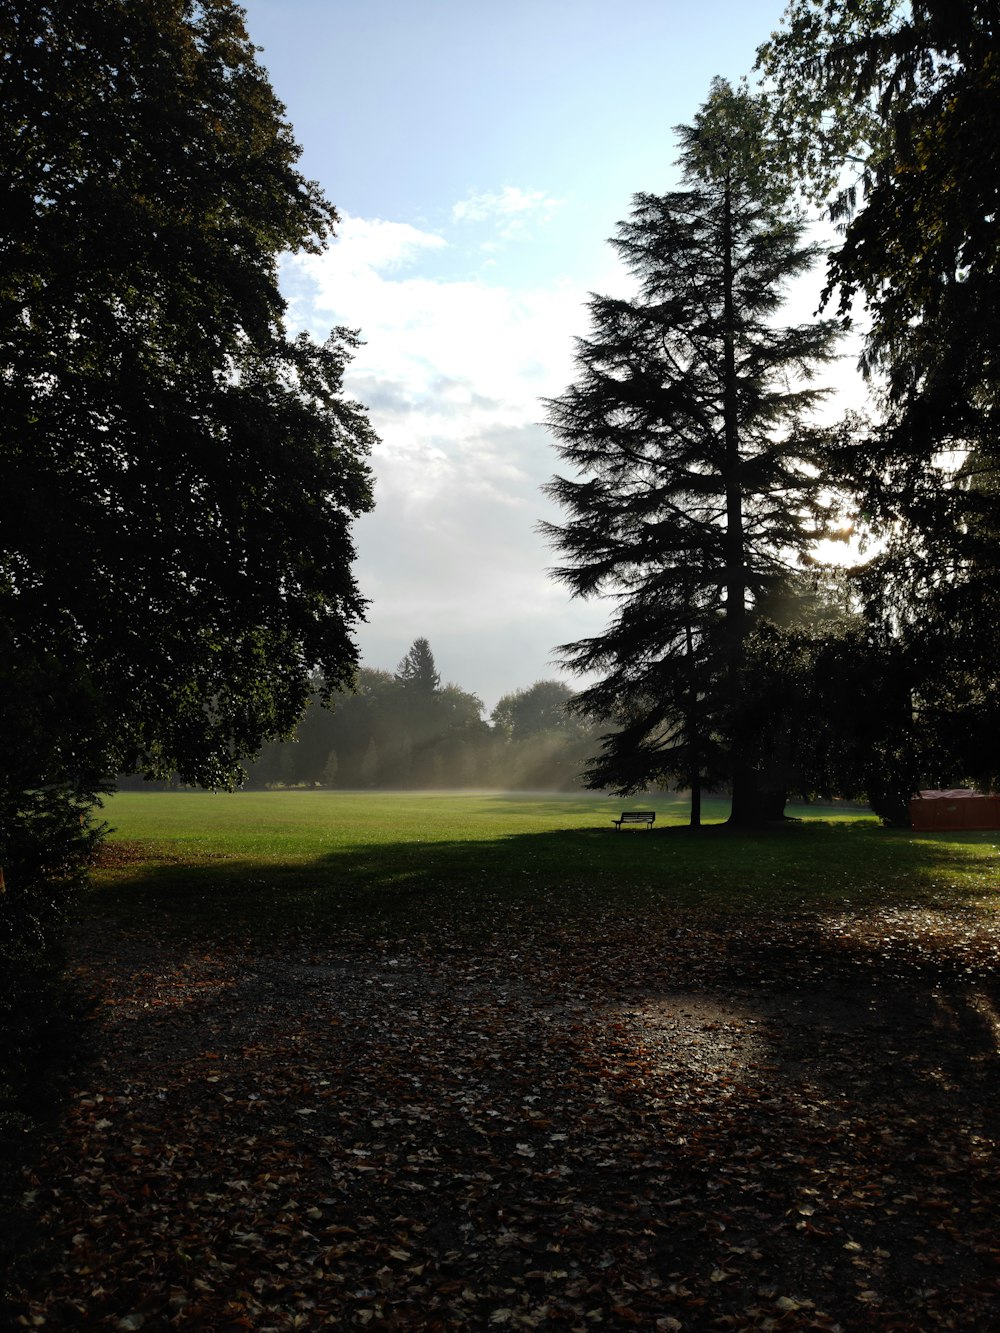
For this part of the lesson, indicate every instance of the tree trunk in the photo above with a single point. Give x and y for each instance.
(693, 722)
(891, 804)
(735, 572)
(696, 800)
(744, 805)
(753, 801)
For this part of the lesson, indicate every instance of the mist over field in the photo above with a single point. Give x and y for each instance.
(408, 731)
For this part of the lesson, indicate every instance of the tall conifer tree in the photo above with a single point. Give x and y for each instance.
(699, 479)
(417, 672)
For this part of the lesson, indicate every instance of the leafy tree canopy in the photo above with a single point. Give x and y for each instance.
(179, 474)
(893, 110)
(540, 708)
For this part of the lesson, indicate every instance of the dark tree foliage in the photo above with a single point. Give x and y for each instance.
(543, 737)
(417, 672)
(851, 731)
(698, 479)
(380, 734)
(179, 475)
(542, 707)
(909, 96)
(932, 606)
(375, 736)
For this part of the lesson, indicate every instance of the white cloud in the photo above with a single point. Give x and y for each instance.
(452, 371)
(458, 353)
(456, 557)
(510, 203)
(365, 244)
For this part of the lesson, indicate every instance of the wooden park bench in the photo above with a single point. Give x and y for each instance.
(635, 817)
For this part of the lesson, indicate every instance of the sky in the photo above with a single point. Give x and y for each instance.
(480, 154)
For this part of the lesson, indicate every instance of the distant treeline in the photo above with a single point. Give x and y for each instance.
(407, 729)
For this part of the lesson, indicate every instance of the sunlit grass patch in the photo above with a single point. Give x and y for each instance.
(277, 860)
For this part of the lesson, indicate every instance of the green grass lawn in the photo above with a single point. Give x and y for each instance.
(533, 1052)
(267, 858)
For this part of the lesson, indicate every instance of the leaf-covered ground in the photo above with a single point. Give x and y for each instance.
(662, 1120)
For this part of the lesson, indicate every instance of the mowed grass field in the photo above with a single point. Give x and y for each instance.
(270, 859)
(409, 1060)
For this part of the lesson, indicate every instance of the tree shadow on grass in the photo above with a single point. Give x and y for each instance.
(852, 937)
(561, 873)
(658, 1076)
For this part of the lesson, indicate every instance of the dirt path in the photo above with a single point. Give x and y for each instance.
(662, 1125)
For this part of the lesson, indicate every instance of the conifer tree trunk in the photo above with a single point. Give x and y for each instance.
(693, 727)
(742, 810)
(695, 820)
(749, 805)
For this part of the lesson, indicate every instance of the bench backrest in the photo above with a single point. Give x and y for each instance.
(634, 816)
